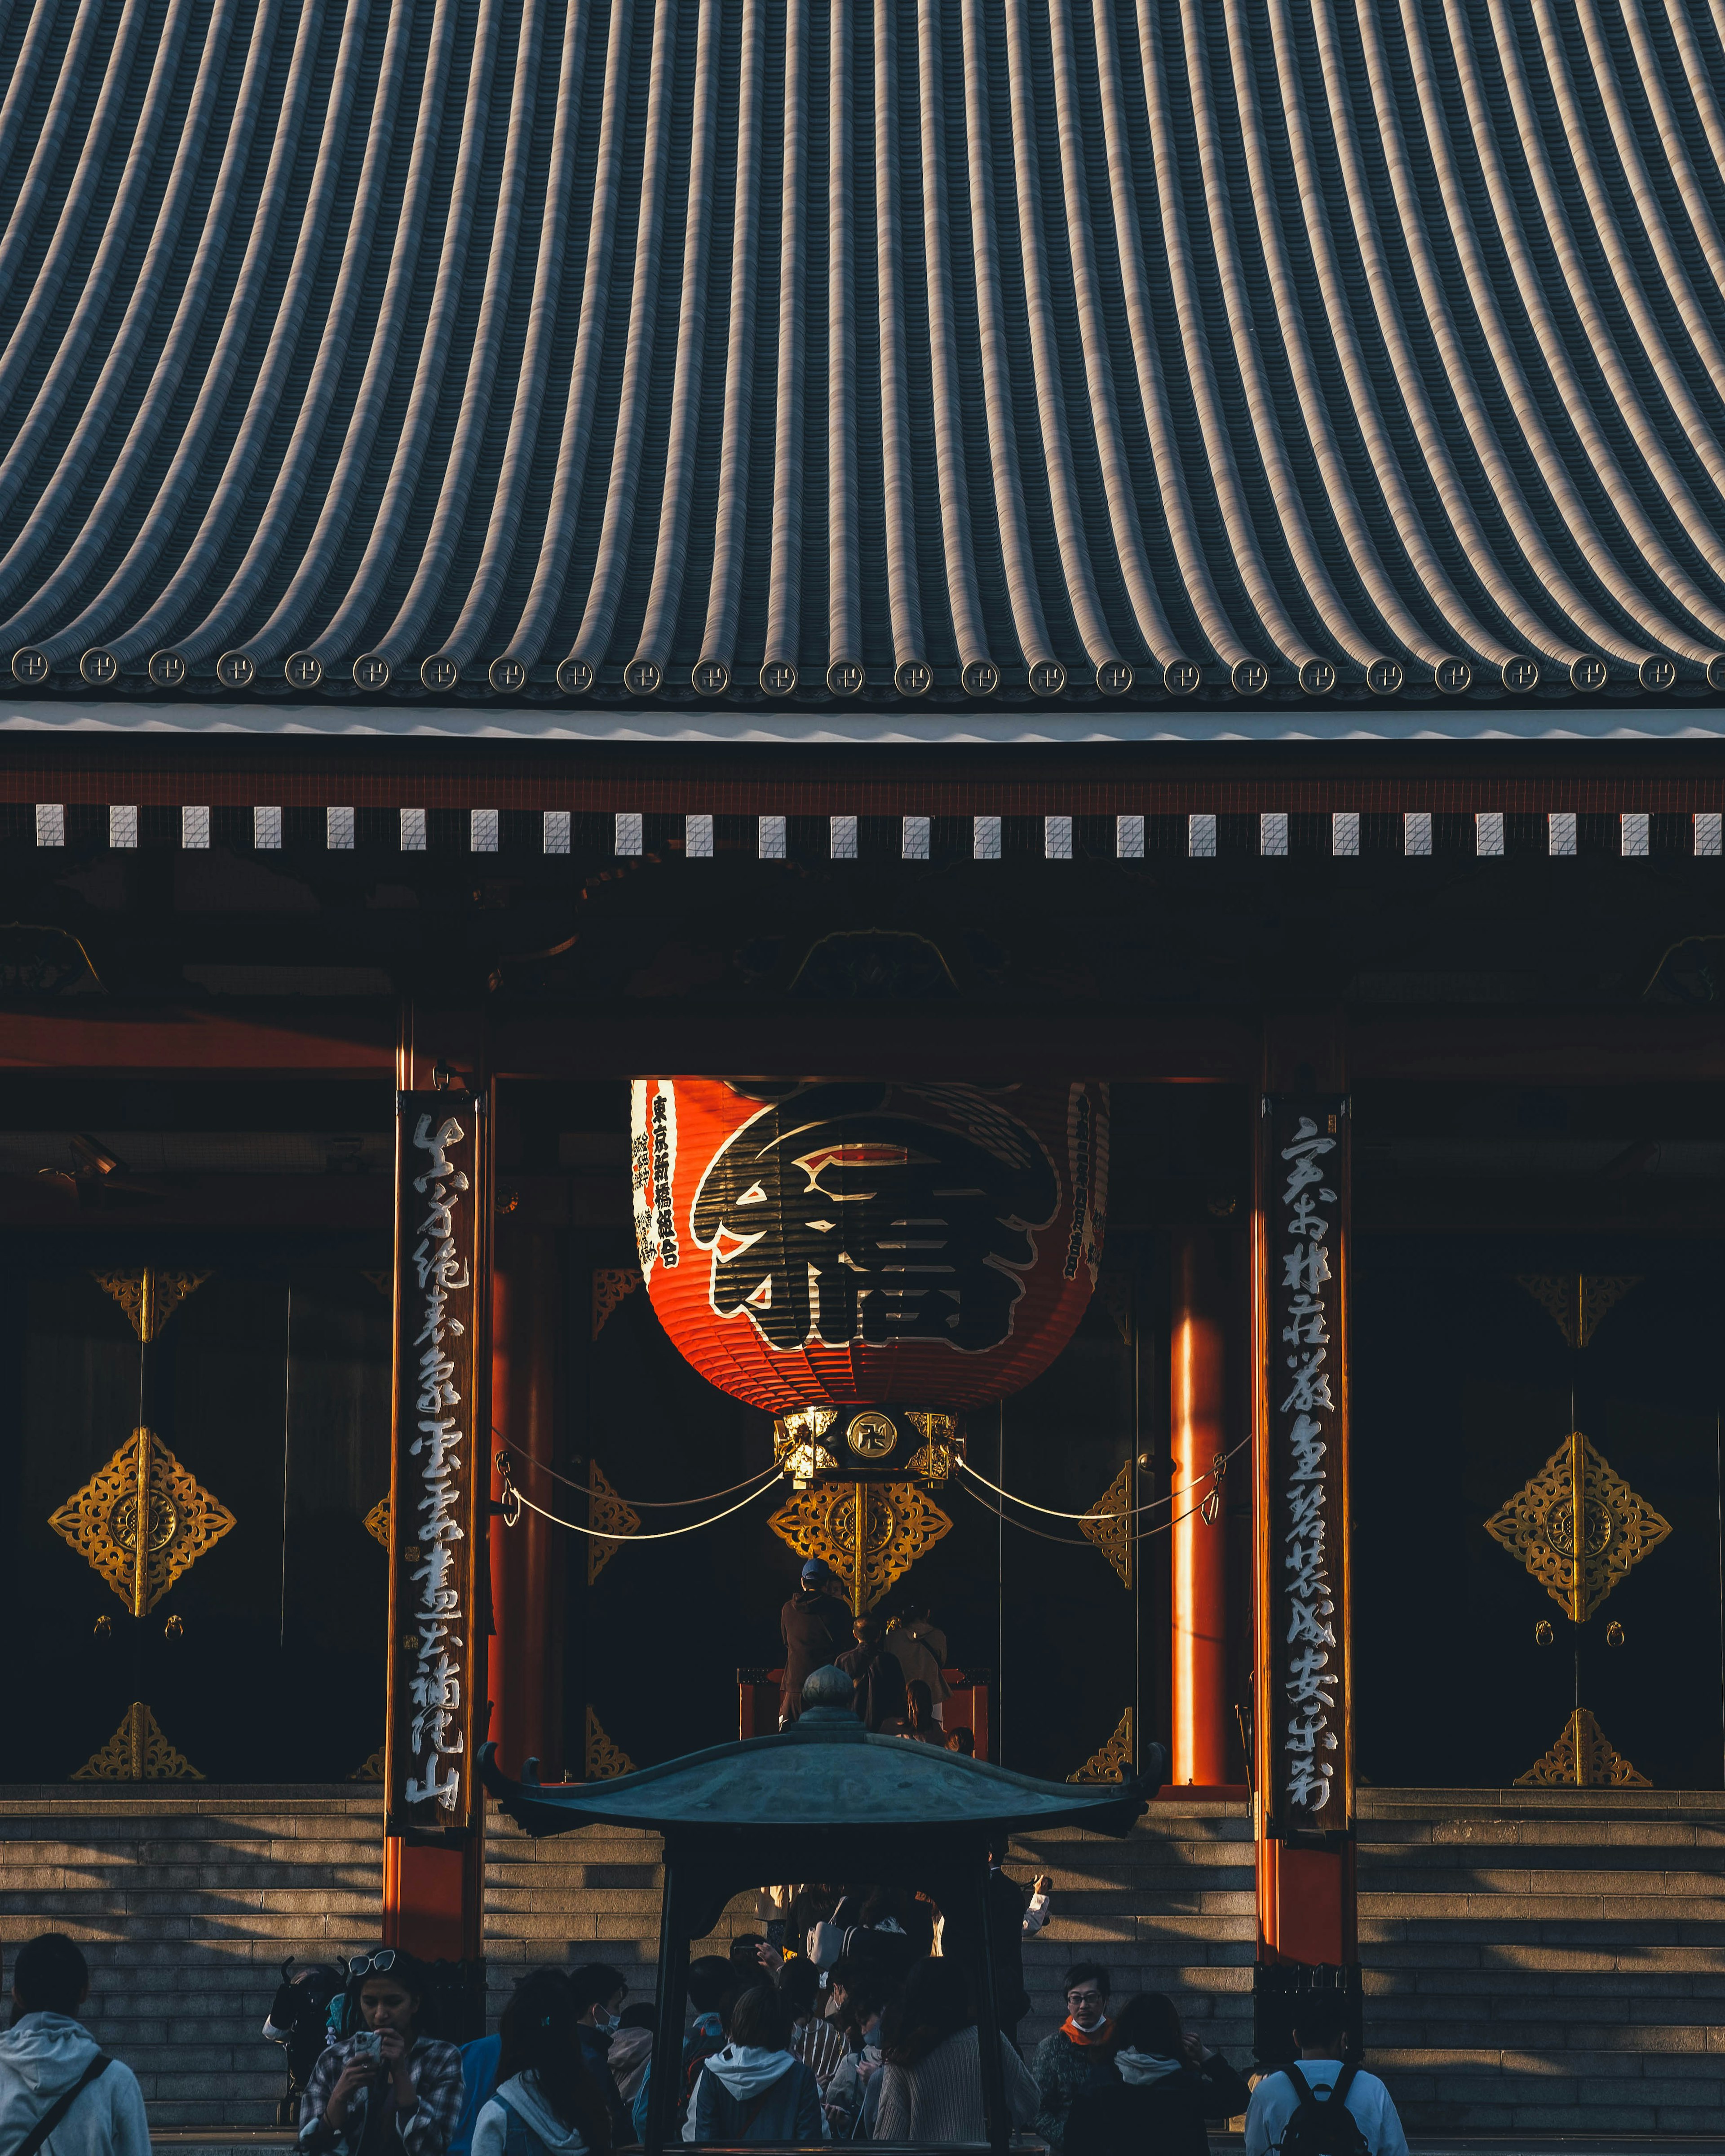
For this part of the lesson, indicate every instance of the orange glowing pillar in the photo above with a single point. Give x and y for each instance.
(1198, 1556)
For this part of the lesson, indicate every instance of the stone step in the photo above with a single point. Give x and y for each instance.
(1546, 1960)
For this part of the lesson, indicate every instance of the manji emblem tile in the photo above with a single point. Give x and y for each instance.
(1538, 1526)
(900, 1524)
(143, 1481)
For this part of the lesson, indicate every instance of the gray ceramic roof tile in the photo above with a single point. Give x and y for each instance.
(769, 347)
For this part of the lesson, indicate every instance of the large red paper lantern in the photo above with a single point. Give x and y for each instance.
(846, 1241)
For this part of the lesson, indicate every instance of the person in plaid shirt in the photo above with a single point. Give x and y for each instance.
(385, 2088)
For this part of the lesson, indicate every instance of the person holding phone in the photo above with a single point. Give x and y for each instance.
(387, 2087)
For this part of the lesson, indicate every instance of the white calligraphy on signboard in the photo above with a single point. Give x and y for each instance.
(1310, 1744)
(440, 1348)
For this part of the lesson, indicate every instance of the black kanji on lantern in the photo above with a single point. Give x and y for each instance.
(845, 1214)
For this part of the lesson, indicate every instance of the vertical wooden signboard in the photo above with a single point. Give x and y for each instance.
(438, 1482)
(1308, 1769)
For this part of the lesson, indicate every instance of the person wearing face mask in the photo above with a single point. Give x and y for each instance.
(1078, 2056)
(860, 1989)
(387, 2088)
(601, 1992)
(1168, 2085)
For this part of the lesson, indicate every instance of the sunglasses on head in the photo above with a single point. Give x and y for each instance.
(377, 1965)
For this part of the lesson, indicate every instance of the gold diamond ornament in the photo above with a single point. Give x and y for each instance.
(610, 1515)
(612, 1285)
(900, 1524)
(1583, 1758)
(142, 1481)
(1577, 1303)
(137, 1751)
(1113, 1763)
(1538, 1526)
(604, 1759)
(1108, 1523)
(377, 1521)
(149, 1295)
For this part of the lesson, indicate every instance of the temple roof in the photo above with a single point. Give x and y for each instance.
(825, 1769)
(884, 348)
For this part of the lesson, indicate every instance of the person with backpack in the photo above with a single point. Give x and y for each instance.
(546, 2102)
(59, 2089)
(755, 2088)
(1321, 2106)
(298, 2020)
(1167, 2086)
(387, 2088)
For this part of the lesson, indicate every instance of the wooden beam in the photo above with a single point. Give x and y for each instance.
(1642, 1044)
(622, 1037)
(958, 1039)
(313, 1202)
(282, 1039)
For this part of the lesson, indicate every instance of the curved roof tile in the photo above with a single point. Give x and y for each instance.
(883, 346)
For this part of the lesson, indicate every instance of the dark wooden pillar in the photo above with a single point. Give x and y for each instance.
(434, 1890)
(1304, 1778)
(526, 1559)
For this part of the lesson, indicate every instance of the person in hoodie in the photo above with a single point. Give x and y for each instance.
(880, 1683)
(478, 2063)
(48, 2052)
(387, 2087)
(546, 2104)
(815, 1627)
(1168, 2085)
(755, 2089)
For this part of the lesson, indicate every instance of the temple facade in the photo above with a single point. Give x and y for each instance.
(1164, 553)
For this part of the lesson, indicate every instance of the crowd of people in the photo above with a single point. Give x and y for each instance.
(855, 2015)
(885, 2044)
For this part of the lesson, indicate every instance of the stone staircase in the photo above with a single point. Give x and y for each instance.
(1537, 1961)
(1546, 1961)
(1170, 1908)
(185, 1900)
